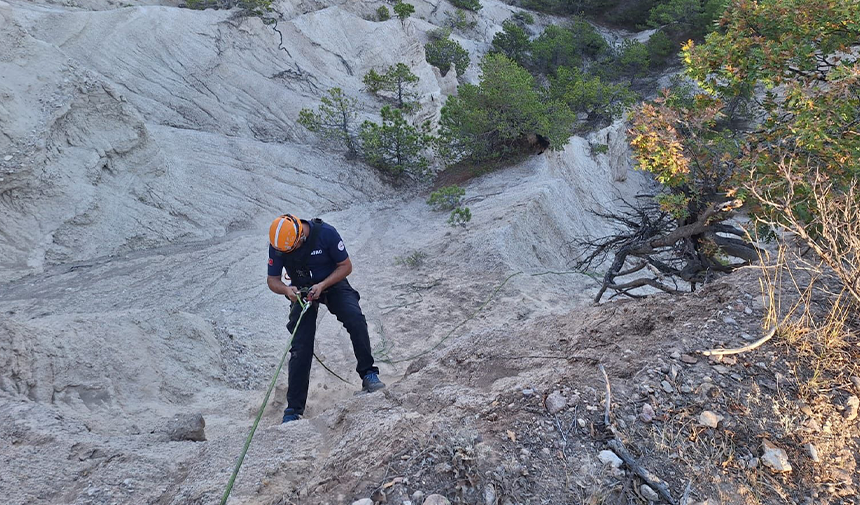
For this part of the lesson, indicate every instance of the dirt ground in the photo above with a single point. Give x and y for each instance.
(499, 443)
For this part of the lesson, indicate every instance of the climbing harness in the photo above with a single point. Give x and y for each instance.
(296, 262)
(305, 304)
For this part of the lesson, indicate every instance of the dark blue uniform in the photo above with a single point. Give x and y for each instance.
(324, 256)
(341, 300)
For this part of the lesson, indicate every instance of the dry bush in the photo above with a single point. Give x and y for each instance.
(815, 316)
(826, 217)
(812, 292)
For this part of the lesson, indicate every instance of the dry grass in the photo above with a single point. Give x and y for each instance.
(816, 317)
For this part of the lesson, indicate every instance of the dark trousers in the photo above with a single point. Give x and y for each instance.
(342, 301)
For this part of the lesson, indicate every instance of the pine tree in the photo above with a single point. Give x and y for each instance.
(396, 83)
(395, 146)
(334, 119)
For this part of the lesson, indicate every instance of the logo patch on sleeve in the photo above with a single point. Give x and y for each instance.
(340, 246)
(271, 262)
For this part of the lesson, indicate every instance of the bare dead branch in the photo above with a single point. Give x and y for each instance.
(608, 395)
(643, 473)
(738, 350)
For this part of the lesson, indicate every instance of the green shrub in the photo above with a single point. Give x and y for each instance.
(439, 34)
(460, 216)
(460, 20)
(601, 101)
(472, 5)
(513, 42)
(660, 49)
(442, 53)
(403, 10)
(412, 260)
(632, 60)
(555, 48)
(395, 146)
(382, 13)
(249, 7)
(598, 149)
(492, 119)
(566, 47)
(523, 18)
(567, 7)
(447, 198)
(686, 18)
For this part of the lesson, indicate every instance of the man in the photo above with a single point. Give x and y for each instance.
(317, 263)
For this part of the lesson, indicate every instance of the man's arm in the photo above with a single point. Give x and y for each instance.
(277, 286)
(343, 269)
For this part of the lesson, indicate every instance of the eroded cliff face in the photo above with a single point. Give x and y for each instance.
(143, 151)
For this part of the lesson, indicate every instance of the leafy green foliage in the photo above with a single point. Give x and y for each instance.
(334, 119)
(415, 259)
(460, 20)
(567, 7)
(796, 152)
(471, 5)
(444, 52)
(676, 204)
(249, 7)
(382, 13)
(395, 146)
(446, 198)
(513, 42)
(439, 34)
(523, 18)
(397, 83)
(811, 118)
(451, 198)
(632, 60)
(682, 19)
(554, 48)
(688, 18)
(566, 47)
(601, 101)
(660, 49)
(598, 149)
(403, 10)
(460, 216)
(491, 119)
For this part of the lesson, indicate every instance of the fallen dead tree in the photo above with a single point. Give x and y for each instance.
(663, 252)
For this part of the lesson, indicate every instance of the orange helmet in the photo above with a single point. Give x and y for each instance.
(285, 233)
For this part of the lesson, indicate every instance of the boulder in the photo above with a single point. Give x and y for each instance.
(186, 427)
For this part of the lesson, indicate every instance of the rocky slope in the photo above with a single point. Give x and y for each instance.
(144, 149)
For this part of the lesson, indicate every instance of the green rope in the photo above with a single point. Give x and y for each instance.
(329, 370)
(304, 306)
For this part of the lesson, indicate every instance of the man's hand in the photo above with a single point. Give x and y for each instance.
(316, 291)
(292, 293)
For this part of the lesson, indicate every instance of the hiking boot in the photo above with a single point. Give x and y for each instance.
(371, 383)
(290, 415)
